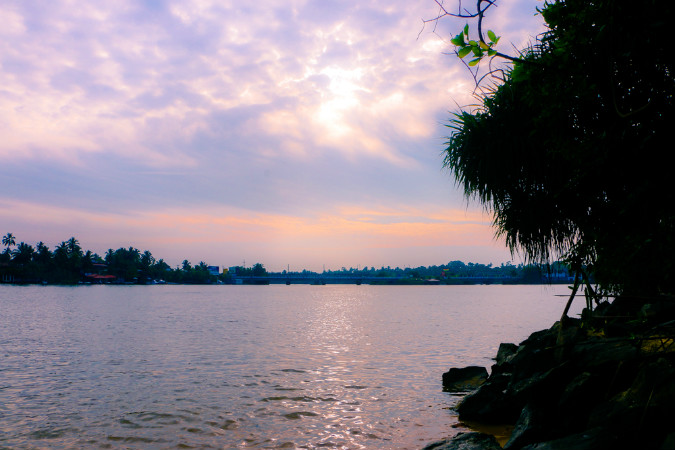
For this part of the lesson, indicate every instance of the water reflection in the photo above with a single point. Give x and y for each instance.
(250, 367)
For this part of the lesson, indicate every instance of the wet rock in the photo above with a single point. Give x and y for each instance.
(466, 441)
(505, 353)
(464, 379)
(503, 396)
(491, 403)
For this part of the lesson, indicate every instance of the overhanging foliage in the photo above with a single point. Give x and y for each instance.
(571, 152)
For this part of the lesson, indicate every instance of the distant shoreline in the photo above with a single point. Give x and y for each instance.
(320, 282)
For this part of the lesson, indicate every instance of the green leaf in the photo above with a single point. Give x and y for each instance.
(473, 43)
(483, 45)
(477, 51)
(492, 52)
(497, 40)
(492, 35)
(466, 30)
(458, 40)
(473, 62)
(463, 52)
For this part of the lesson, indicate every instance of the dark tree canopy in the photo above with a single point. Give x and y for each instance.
(572, 151)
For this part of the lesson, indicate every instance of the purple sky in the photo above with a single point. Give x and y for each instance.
(301, 133)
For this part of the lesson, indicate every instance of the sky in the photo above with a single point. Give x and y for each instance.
(296, 133)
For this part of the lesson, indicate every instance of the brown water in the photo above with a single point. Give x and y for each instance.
(154, 367)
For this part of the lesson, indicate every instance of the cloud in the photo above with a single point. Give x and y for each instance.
(223, 235)
(281, 110)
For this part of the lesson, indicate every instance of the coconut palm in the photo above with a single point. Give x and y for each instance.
(8, 240)
(23, 253)
(73, 247)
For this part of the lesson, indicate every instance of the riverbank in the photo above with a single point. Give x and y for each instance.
(607, 381)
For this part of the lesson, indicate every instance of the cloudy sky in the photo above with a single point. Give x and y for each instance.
(301, 133)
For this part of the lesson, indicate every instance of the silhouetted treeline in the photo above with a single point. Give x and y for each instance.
(68, 263)
(521, 273)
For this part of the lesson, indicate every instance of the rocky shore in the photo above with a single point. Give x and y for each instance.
(606, 381)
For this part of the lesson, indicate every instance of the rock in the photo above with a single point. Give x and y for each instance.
(594, 353)
(464, 379)
(668, 442)
(466, 441)
(535, 354)
(605, 384)
(528, 428)
(584, 389)
(490, 403)
(659, 308)
(595, 439)
(505, 353)
(503, 396)
(646, 407)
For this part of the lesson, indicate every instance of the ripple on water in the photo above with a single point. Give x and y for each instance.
(135, 439)
(50, 433)
(299, 415)
(343, 367)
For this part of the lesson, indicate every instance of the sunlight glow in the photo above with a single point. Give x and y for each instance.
(217, 232)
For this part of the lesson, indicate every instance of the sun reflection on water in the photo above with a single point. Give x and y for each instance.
(344, 367)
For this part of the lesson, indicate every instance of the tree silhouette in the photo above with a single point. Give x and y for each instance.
(569, 151)
(8, 240)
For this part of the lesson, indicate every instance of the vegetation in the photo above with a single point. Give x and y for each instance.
(70, 264)
(568, 147)
(454, 272)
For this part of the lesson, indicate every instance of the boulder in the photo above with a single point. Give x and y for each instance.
(528, 427)
(584, 389)
(595, 439)
(491, 403)
(503, 396)
(608, 383)
(464, 379)
(646, 407)
(505, 353)
(466, 441)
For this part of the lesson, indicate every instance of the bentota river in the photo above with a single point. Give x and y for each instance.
(169, 367)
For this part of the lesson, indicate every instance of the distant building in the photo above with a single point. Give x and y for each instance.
(214, 270)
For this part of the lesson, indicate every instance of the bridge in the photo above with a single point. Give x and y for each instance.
(351, 279)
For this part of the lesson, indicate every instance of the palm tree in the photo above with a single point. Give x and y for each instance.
(61, 254)
(42, 255)
(73, 247)
(23, 253)
(147, 260)
(8, 240)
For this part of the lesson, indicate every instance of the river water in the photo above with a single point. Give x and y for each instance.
(164, 367)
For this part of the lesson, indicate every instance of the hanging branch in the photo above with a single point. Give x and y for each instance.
(478, 48)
